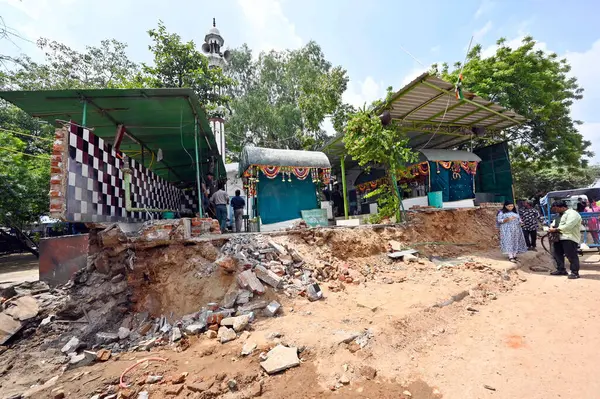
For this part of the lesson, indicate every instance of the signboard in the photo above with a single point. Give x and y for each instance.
(315, 217)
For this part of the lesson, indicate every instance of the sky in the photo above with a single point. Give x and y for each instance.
(381, 43)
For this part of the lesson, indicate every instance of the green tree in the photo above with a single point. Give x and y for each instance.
(530, 181)
(282, 97)
(98, 67)
(537, 85)
(368, 141)
(180, 64)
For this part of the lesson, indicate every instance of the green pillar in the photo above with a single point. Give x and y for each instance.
(343, 166)
(198, 168)
(84, 118)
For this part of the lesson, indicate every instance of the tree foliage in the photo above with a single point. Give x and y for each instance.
(369, 142)
(104, 66)
(530, 182)
(282, 97)
(180, 64)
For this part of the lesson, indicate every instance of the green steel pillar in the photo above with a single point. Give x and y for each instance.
(198, 168)
(343, 165)
(84, 118)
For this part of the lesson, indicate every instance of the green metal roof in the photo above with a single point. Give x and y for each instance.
(157, 118)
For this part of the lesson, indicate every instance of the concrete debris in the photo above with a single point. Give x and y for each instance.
(248, 348)
(272, 309)
(85, 358)
(402, 254)
(227, 263)
(211, 334)
(314, 292)
(280, 358)
(106, 338)
(194, 329)
(71, 346)
(176, 334)
(248, 280)
(47, 320)
(239, 323)
(344, 379)
(23, 308)
(153, 379)
(267, 276)
(226, 334)
(123, 332)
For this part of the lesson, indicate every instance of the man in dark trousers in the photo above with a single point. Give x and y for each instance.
(220, 199)
(569, 228)
(238, 205)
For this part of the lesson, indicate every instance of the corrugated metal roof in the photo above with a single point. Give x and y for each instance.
(448, 155)
(275, 157)
(159, 118)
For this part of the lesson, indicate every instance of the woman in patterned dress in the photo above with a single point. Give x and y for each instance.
(592, 223)
(512, 241)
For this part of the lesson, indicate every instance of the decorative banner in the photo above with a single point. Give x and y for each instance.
(270, 171)
(301, 173)
(250, 175)
(372, 185)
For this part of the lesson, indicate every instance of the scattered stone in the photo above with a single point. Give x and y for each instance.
(211, 334)
(368, 372)
(230, 297)
(23, 308)
(226, 334)
(153, 379)
(180, 379)
(127, 393)
(60, 394)
(408, 258)
(243, 297)
(123, 332)
(248, 348)
(280, 358)
(314, 292)
(194, 328)
(174, 390)
(407, 394)
(103, 355)
(267, 276)
(104, 338)
(279, 248)
(421, 261)
(255, 389)
(47, 320)
(250, 307)
(344, 379)
(175, 334)
(85, 358)
(248, 280)
(272, 309)
(353, 347)
(232, 385)
(71, 346)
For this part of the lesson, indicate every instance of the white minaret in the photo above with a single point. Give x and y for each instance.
(213, 44)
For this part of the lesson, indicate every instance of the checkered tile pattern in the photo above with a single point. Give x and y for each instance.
(190, 201)
(96, 187)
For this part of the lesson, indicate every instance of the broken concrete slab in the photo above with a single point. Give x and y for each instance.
(243, 297)
(280, 358)
(401, 254)
(230, 297)
(8, 327)
(106, 338)
(226, 334)
(252, 306)
(239, 323)
(85, 358)
(272, 310)
(248, 348)
(175, 334)
(23, 308)
(279, 248)
(123, 332)
(248, 280)
(267, 276)
(71, 345)
(313, 292)
(195, 328)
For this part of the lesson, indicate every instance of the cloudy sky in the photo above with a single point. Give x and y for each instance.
(371, 39)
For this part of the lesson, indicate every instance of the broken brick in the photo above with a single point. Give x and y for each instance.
(248, 280)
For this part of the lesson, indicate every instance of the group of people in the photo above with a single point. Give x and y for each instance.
(215, 201)
(518, 233)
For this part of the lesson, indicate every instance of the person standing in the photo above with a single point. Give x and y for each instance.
(592, 223)
(512, 241)
(569, 228)
(238, 205)
(208, 189)
(220, 199)
(530, 224)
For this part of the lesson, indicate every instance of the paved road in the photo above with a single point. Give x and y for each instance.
(18, 268)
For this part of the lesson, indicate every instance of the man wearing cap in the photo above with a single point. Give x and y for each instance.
(569, 228)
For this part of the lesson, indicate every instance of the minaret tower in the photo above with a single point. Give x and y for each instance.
(212, 48)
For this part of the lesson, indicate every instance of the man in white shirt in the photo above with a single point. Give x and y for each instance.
(221, 200)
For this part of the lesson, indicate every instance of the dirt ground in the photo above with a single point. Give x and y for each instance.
(18, 267)
(474, 328)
